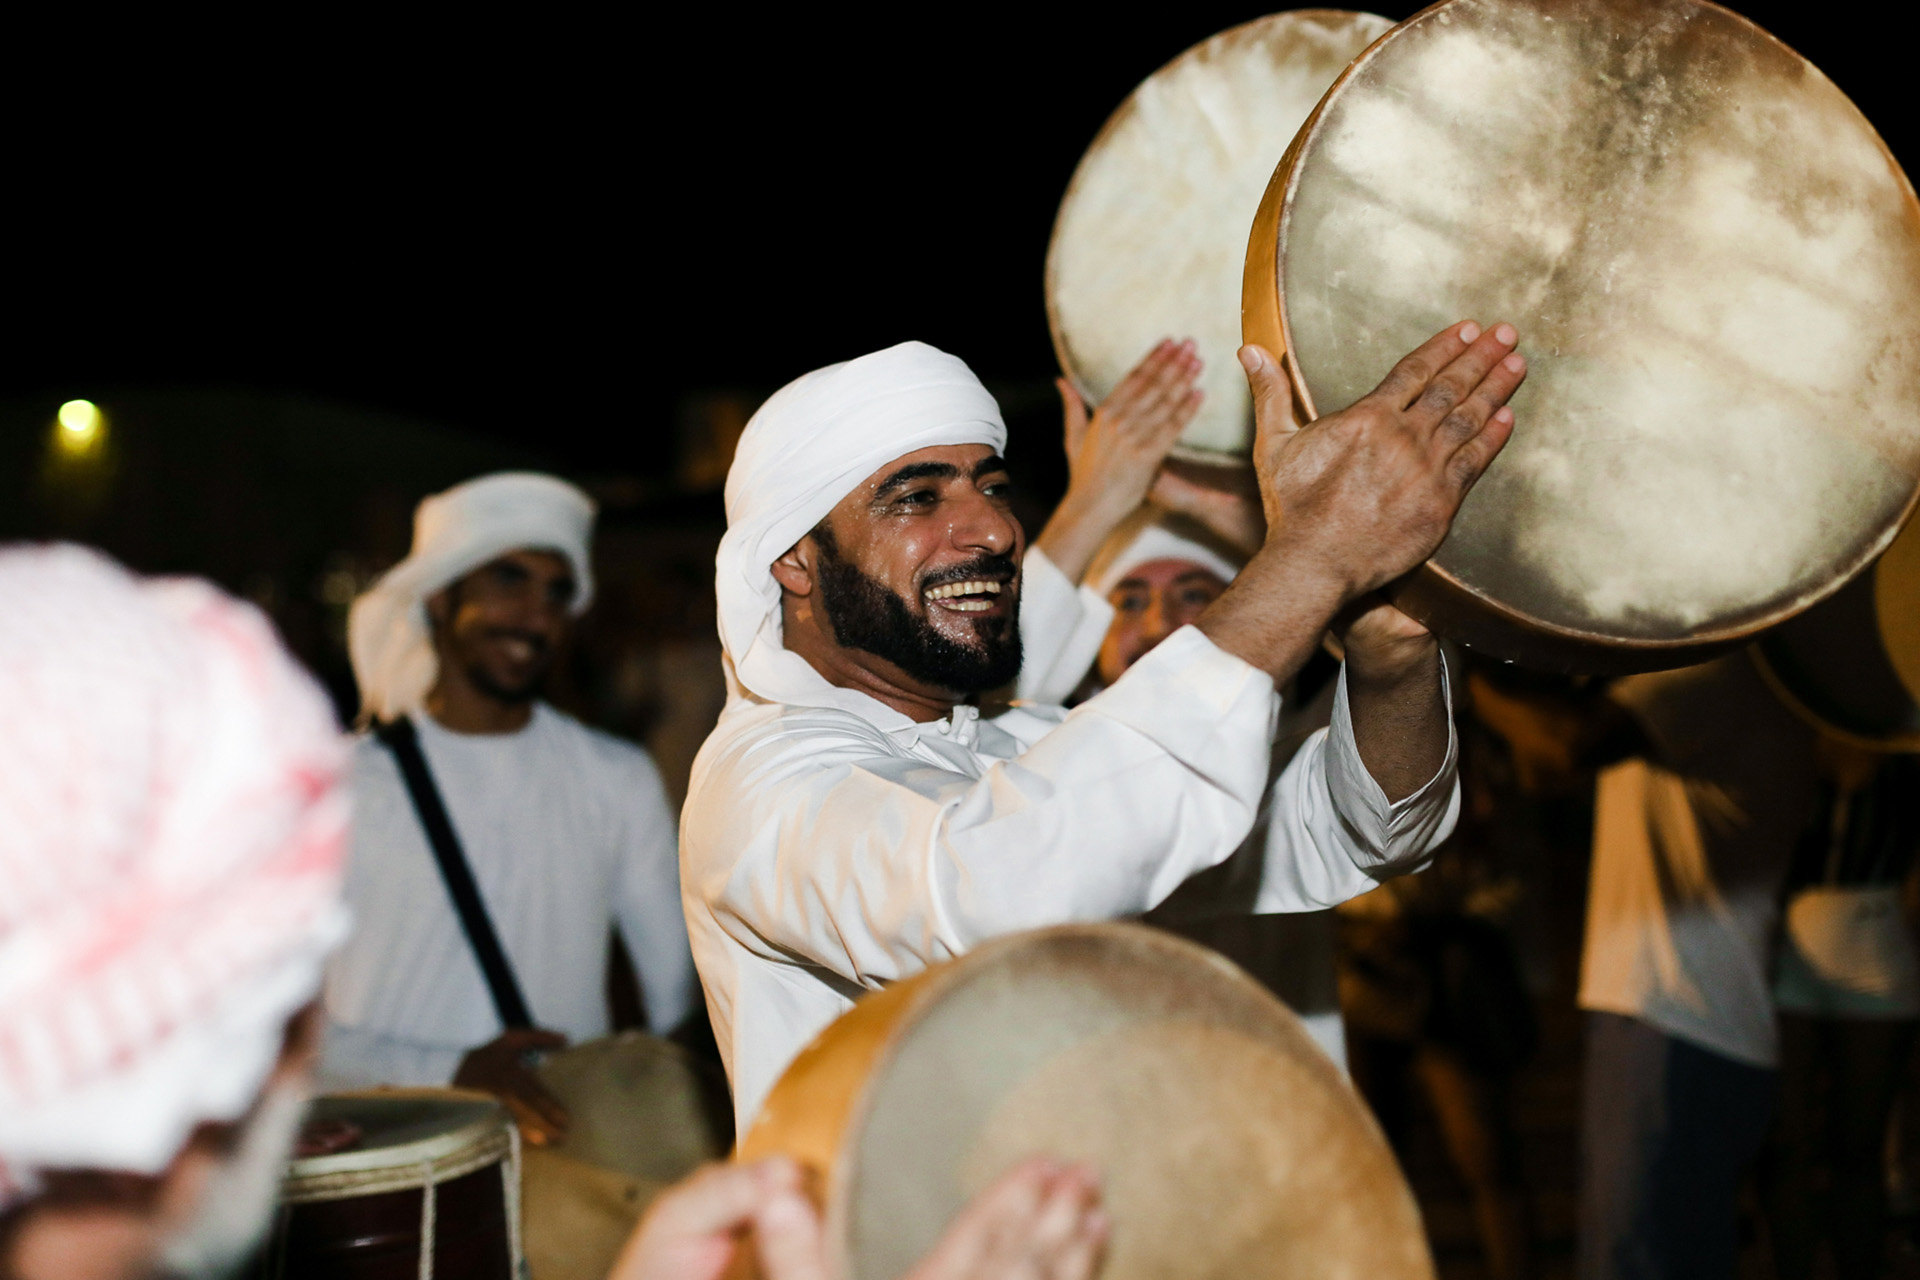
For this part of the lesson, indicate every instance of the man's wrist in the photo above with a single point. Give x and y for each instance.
(1384, 664)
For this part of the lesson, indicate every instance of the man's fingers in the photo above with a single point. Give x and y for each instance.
(1471, 460)
(1455, 385)
(1074, 407)
(789, 1239)
(1403, 385)
(1496, 386)
(1272, 398)
(1157, 383)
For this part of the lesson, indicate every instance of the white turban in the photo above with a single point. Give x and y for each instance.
(171, 852)
(455, 533)
(1151, 534)
(808, 447)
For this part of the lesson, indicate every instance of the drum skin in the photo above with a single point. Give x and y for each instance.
(1714, 264)
(1150, 235)
(1851, 664)
(643, 1114)
(1228, 1145)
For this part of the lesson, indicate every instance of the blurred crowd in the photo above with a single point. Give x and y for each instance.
(1723, 890)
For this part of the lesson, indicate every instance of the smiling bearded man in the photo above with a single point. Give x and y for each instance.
(854, 819)
(560, 830)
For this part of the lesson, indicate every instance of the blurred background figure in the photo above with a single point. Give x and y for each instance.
(496, 838)
(175, 834)
(1708, 782)
(1847, 986)
(1435, 1002)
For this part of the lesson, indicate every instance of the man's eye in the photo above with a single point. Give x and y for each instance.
(998, 489)
(918, 498)
(1130, 604)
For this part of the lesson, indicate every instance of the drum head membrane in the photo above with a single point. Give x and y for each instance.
(1715, 268)
(1229, 1145)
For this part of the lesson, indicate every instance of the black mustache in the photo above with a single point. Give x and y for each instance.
(992, 568)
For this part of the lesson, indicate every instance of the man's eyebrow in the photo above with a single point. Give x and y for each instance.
(988, 465)
(916, 471)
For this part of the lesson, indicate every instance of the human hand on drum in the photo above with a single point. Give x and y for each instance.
(500, 1068)
(1114, 453)
(1039, 1221)
(1366, 494)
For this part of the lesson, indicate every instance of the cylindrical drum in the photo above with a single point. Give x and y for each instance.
(1153, 229)
(1852, 663)
(417, 1183)
(1230, 1147)
(643, 1114)
(1714, 263)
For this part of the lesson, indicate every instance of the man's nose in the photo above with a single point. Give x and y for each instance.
(981, 524)
(1158, 623)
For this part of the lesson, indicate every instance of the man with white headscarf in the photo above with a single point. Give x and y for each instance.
(562, 830)
(854, 819)
(174, 835)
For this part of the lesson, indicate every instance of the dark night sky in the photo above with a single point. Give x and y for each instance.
(547, 233)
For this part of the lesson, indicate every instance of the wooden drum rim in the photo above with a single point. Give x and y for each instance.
(1432, 595)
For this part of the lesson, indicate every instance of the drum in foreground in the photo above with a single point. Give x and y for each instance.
(644, 1113)
(1852, 663)
(1714, 263)
(417, 1182)
(1152, 232)
(1230, 1147)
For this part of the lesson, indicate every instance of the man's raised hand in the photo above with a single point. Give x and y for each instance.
(1114, 453)
(1368, 493)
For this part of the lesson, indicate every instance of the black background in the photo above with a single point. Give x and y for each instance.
(548, 230)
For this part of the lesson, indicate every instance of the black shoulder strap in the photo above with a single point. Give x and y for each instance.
(401, 739)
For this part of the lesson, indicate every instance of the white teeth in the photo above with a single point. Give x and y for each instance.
(974, 588)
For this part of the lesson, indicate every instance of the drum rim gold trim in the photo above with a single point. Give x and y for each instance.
(1226, 461)
(409, 1165)
(1431, 594)
(1892, 744)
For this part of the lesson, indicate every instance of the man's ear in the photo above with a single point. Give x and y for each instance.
(794, 570)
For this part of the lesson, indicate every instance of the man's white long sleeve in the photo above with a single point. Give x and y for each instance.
(824, 852)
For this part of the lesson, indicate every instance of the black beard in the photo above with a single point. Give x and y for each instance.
(867, 616)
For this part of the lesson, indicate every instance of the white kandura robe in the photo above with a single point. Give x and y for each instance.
(831, 846)
(568, 830)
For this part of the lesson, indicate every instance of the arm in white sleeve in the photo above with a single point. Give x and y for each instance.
(1061, 629)
(1331, 832)
(809, 839)
(652, 922)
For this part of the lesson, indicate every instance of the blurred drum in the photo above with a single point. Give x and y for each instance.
(414, 1183)
(1152, 232)
(1852, 663)
(1229, 1145)
(1714, 263)
(643, 1114)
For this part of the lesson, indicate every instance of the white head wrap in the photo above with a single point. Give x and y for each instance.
(1151, 534)
(455, 533)
(809, 445)
(174, 835)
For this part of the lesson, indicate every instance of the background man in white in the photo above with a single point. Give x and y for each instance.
(566, 828)
(853, 819)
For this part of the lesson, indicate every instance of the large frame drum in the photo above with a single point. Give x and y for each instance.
(1230, 1147)
(1152, 231)
(1714, 263)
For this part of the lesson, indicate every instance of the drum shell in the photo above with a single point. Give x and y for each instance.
(825, 1103)
(360, 1214)
(1432, 594)
(377, 1237)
